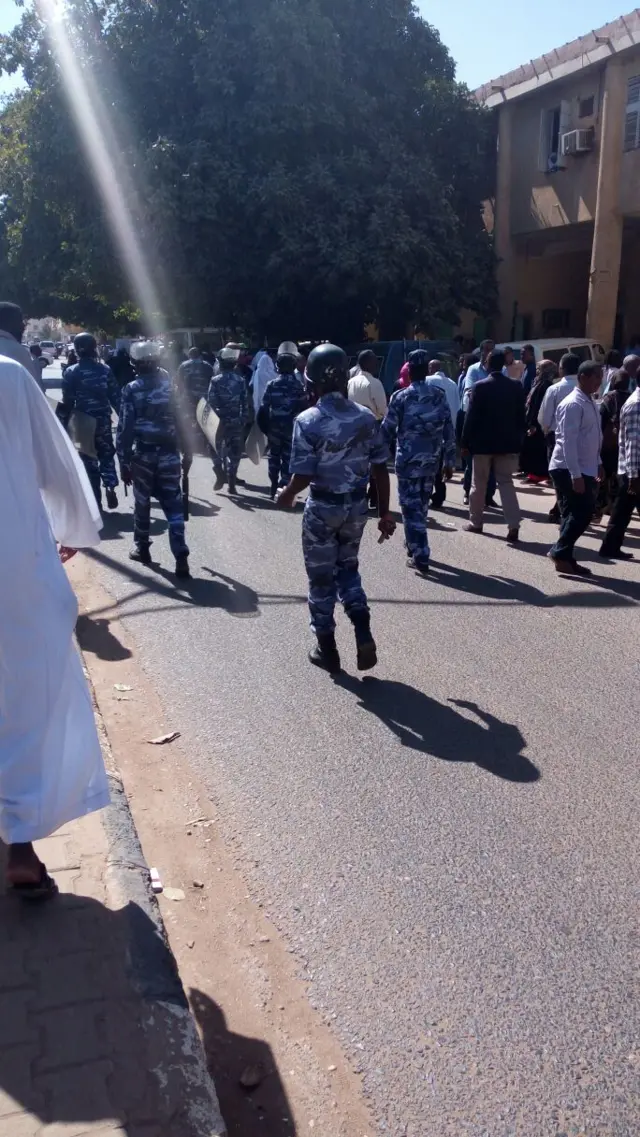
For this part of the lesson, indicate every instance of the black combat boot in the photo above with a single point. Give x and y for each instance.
(141, 554)
(325, 654)
(182, 567)
(219, 482)
(365, 643)
(232, 487)
(112, 499)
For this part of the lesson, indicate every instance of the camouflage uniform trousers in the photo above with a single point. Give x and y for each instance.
(158, 474)
(414, 495)
(228, 450)
(103, 466)
(279, 457)
(331, 536)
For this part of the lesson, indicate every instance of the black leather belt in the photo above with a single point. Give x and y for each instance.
(337, 498)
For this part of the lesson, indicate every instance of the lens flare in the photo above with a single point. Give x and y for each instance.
(103, 146)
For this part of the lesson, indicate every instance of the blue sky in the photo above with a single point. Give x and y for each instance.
(489, 37)
(485, 37)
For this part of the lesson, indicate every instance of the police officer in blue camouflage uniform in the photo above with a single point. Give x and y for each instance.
(336, 445)
(419, 421)
(90, 386)
(149, 441)
(192, 385)
(228, 398)
(283, 400)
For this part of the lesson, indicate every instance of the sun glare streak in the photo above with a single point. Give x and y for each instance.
(103, 150)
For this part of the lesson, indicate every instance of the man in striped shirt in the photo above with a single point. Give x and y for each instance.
(628, 497)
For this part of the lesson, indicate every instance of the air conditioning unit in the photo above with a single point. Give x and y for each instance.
(577, 142)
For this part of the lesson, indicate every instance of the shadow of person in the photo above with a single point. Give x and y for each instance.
(95, 637)
(493, 587)
(106, 1037)
(423, 724)
(234, 1059)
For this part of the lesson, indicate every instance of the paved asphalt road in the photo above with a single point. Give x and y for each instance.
(449, 846)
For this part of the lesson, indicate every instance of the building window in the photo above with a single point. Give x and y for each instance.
(554, 122)
(585, 107)
(632, 115)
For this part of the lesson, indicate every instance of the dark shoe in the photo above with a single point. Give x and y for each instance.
(325, 654)
(491, 504)
(274, 491)
(232, 488)
(513, 536)
(571, 568)
(581, 570)
(554, 514)
(418, 565)
(112, 499)
(472, 528)
(182, 568)
(219, 482)
(365, 643)
(141, 554)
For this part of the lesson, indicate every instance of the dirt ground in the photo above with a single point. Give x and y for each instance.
(253, 1012)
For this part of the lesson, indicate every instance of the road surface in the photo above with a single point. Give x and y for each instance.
(448, 846)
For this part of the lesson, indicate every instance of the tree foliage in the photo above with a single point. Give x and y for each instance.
(300, 165)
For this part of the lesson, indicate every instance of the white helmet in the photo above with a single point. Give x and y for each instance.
(144, 351)
(229, 354)
(288, 348)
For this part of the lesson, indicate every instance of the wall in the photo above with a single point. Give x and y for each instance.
(542, 200)
(560, 281)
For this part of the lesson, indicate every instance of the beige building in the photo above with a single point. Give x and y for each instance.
(566, 212)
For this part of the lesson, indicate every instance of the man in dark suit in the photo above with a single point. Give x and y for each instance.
(493, 433)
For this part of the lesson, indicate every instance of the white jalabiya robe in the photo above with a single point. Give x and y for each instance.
(263, 372)
(51, 767)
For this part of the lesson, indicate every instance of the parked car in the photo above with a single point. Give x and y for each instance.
(48, 349)
(393, 353)
(554, 349)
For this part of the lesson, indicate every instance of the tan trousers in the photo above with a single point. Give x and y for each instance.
(504, 467)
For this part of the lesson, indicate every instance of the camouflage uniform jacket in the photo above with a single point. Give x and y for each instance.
(420, 419)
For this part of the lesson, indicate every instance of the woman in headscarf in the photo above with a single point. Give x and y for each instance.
(610, 407)
(533, 459)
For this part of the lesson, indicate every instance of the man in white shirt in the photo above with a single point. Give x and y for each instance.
(11, 345)
(365, 388)
(477, 372)
(575, 466)
(438, 378)
(569, 365)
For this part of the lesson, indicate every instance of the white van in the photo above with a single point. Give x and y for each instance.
(554, 349)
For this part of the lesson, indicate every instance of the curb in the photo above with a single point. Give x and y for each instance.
(152, 967)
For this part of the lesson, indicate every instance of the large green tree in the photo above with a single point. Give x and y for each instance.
(299, 166)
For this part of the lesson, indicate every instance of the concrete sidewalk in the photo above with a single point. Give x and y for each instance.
(95, 1032)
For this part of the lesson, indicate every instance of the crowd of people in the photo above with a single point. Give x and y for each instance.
(335, 430)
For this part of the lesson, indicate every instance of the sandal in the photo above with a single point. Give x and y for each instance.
(36, 890)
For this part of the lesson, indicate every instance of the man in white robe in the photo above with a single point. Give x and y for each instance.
(51, 767)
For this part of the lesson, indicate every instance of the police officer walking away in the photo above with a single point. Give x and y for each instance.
(420, 420)
(192, 385)
(336, 444)
(90, 387)
(149, 441)
(228, 398)
(283, 400)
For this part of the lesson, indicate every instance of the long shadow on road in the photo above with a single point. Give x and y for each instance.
(423, 724)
